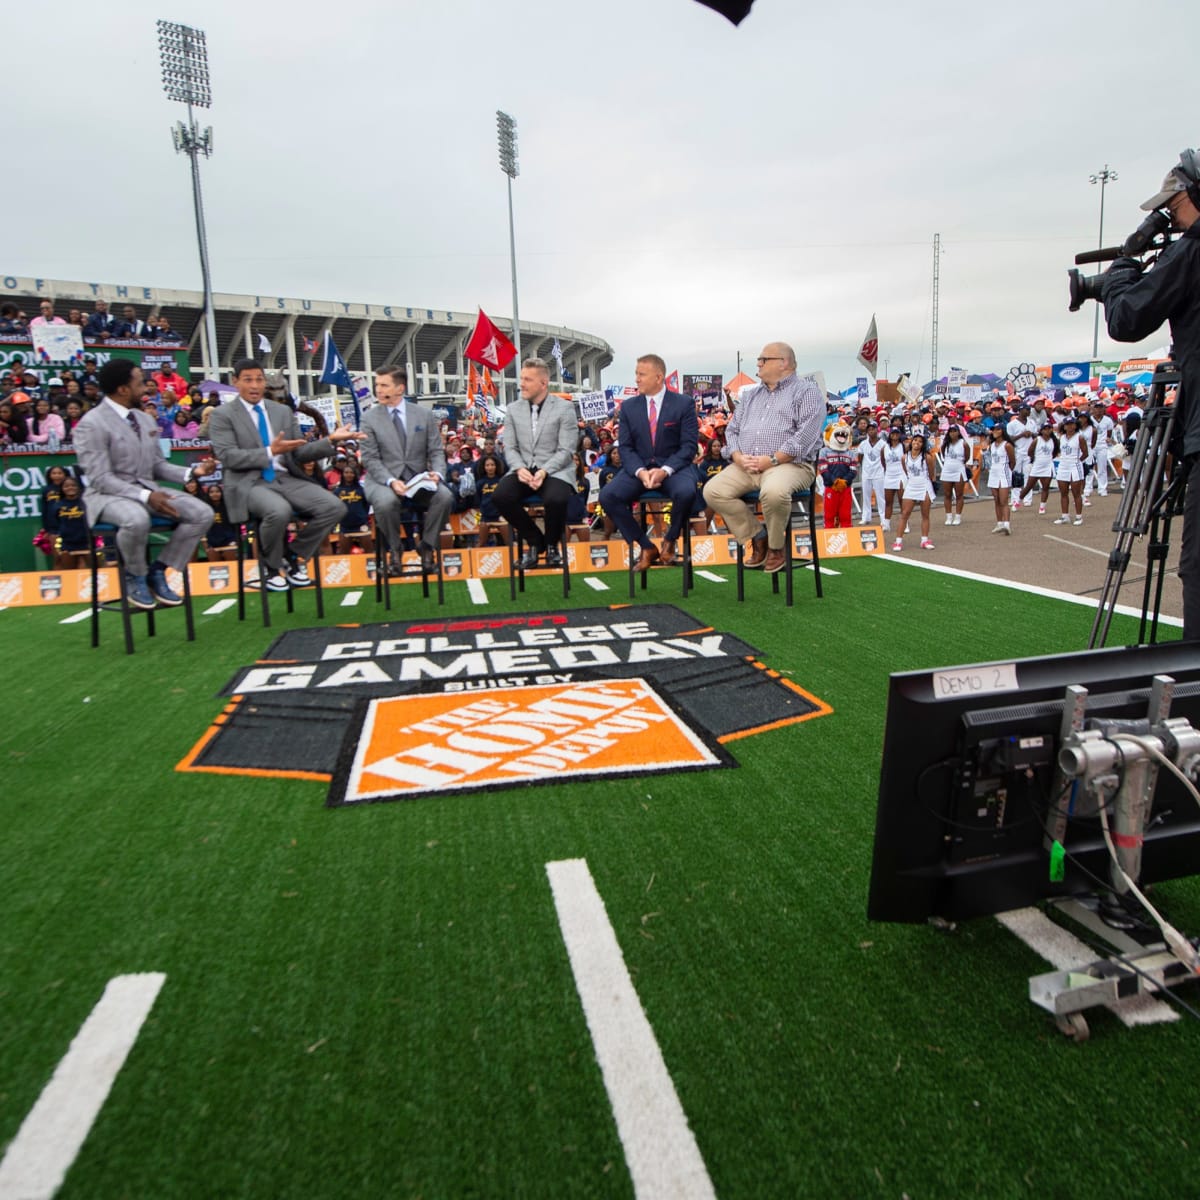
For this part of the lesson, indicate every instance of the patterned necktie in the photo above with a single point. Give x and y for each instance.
(398, 421)
(264, 433)
(653, 420)
(133, 422)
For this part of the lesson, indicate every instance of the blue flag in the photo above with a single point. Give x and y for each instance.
(333, 367)
(1070, 374)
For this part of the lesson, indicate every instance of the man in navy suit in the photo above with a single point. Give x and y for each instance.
(658, 442)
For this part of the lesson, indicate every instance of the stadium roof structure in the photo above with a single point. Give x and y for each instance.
(427, 341)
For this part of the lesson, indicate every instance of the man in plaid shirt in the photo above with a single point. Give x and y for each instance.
(771, 444)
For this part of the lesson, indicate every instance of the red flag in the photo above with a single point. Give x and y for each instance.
(489, 346)
(489, 388)
(673, 381)
(868, 354)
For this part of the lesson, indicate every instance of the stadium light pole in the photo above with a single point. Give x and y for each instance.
(506, 129)
(184, 56)
(1103, 178)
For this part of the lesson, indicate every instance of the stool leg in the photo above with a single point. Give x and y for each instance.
(126, 617)
(262, 583)
(440, 578)
(241, 575)
(188, 615)
(95, 597)
(316, 561)
(687, 556)
(788, 563)
(816, 550)
(741, 579)
(566, 557)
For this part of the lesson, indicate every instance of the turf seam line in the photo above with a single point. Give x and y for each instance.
(660, 1149)
(1123, 610)
(1064, 951)
(53, 1133)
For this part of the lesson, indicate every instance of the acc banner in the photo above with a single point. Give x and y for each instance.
(1070, 374)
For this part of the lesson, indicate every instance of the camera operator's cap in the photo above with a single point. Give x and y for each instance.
(1173, 183)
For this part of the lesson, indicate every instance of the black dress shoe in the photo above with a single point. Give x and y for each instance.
(429, 559)
(554, 558)
(529, 560)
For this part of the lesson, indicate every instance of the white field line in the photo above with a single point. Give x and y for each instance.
(1064, 951)
(824, 570)
(1074, 545)
(350, 599)
(75, 618)
(476, 591)
(221, 606)
(1124, 609)
(597, 585)
(711, 576)
(51, 1136)
(660, 1151)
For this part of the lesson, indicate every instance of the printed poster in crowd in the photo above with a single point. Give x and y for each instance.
(58, 343)
(860, 385)
(972, 394)
(705, 388)
(818, 377)
(1022, 376)
(956, 377)
(323, 405)
(593, 406)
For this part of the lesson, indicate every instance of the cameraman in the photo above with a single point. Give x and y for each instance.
(1135, 305)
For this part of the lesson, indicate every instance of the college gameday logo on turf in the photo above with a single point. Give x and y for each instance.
(414, 745)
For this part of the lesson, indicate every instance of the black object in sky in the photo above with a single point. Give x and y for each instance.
(735, 10)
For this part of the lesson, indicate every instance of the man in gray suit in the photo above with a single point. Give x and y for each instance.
(261, 451)
(121, 461)
(404, 441)
(540, 436)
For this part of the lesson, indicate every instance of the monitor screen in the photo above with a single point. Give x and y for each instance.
(967, 782)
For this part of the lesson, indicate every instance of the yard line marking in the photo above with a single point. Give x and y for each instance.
(1064, 951)
(824, 570)
(1123, 609)
(597, 585)
(476, 591)
(350, 599)
(51, 1136)
(220, 607)
(1075, 545)
(74, 618)
(711, 576)
(660, 1150)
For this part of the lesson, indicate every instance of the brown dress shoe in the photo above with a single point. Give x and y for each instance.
(774, 561)
(667, 556)
(649, 557)
(757, 552)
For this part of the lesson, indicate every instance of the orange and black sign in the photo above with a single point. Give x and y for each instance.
(403, 709)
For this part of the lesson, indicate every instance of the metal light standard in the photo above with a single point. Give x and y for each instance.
(1103, 178)
(506, 128)
(184, 57)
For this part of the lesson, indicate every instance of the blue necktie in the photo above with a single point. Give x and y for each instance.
(265, 434)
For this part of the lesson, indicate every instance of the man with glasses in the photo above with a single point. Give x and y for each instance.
(47, 316)
(771, 443)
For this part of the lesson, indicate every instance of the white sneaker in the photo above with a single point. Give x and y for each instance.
(1101, 493)
(998, 527)
(1086, 502)
(926, 544)
(1078, 520)
(949, 518)
(897, 545)
(886, 526)
(1007, 528)
(1016, 504)
(1063, 520)
(958, 518)
(1041, 510)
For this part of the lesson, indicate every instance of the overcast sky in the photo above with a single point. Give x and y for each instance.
(686, 188)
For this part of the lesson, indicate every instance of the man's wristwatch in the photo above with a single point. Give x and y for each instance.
(774, 460)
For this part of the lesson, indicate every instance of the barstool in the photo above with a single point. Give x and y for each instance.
(249, 532)
(656, 497)
(789, 562)
(516, 573)
(383, 584)
(107, 532)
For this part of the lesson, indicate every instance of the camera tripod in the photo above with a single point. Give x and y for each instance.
(1150, 501)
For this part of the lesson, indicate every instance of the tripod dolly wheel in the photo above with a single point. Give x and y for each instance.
(1073, 1025)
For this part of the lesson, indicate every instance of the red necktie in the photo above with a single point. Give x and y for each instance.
(653, 419)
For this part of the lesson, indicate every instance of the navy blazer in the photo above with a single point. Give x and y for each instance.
(676, 438)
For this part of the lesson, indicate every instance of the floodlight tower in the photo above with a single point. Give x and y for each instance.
(506, 129)
(184, 55)
(1103, 178)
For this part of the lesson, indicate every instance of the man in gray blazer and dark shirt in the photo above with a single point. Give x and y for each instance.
(121, 460)
(541, 433)
(405, 441)
(261, 451)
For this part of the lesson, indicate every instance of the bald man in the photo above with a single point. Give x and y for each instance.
(771, 444)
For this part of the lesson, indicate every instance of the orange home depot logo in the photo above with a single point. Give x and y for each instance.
(12, 590)
(416, 745)
(490, 563)
(836, 543)
(702, 550)
(337, 571)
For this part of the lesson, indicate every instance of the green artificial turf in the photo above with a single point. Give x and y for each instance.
(377, 1001)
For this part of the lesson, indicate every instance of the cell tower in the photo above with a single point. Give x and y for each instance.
(937, 257)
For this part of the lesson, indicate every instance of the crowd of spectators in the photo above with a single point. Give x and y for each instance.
(99, 327)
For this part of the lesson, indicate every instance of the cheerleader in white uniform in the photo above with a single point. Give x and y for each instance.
(919, 465)
(1072, 450)
(1041, 466)
(1002, 457)
(956, 454)
(893, 473)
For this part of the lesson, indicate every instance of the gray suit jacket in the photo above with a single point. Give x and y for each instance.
(556, 442)
(243, 457)
(385, 457)
(116, 461)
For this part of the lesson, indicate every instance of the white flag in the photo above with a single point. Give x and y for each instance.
(868, 353)
(264, 347)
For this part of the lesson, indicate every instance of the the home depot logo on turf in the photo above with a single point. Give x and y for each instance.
(414, 745)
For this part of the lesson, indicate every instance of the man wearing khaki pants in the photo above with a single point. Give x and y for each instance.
(771, 443)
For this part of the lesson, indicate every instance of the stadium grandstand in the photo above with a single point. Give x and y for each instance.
(427, 342)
